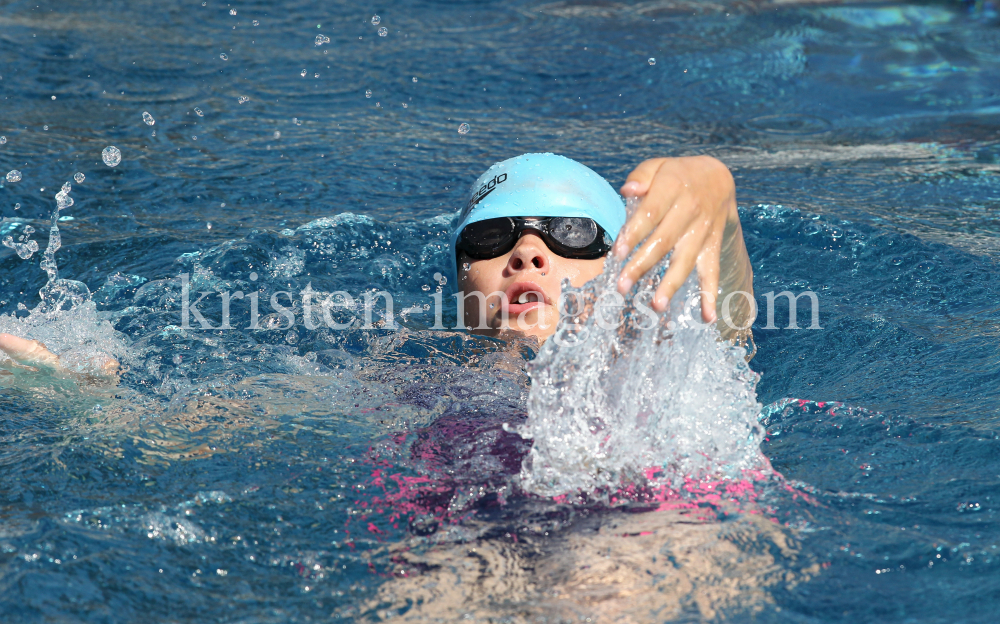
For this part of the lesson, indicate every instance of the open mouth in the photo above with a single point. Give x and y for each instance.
(524, 296)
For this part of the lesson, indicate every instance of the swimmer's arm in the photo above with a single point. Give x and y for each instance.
(33, 356)
(688, 206)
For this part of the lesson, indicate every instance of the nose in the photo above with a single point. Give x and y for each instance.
(530, 252)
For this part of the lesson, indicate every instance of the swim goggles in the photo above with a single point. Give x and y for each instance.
(570, 237)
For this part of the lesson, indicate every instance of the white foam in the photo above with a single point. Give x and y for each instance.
(608, 403)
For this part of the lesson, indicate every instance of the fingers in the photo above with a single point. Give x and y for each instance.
(658, 245)
(681, 263)
(28, 352)
(639, 181)
(662, 196)
(708, 281)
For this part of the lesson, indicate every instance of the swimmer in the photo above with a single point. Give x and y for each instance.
(537, 219)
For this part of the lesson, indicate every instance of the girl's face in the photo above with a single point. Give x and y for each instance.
(519, 291)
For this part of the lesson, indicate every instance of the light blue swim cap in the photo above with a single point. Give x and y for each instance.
(541, 185)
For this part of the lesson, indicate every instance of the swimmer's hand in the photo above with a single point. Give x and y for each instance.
(33, 356)
(688, 207)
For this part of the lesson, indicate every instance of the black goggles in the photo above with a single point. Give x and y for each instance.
(570, 237)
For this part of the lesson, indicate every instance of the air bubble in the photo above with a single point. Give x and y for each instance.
(464, 128)
(111, 156)
(368, 93)
(256, 23)
(243, 99)
(375, 20)
(321, 39)
(79, 177)
(3, 140)
(383, 32)
(316, 75)
(148, 118)
(404, 105)
(303, 73)
(277, 134)
(425, 288)
(45, 127)
(232, 11)
(224, 56)
(177, 359)
(414, 79)
(651, 61)
(14, 176)
(17, 206)
(197, 111)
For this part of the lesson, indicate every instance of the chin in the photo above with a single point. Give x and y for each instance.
(532, 326)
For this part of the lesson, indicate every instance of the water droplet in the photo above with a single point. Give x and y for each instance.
(209, 225)
(368, 93)
(291, 337)
(256, 23)
(316, 75)
(194, 137)
(17, 206)
(277, 134)
(178, 359)
(79, 177)
(464, 128)
(414, 79)
(303, 73)
(296, 121)
(224, 57)
(651, 61)
(243, 99)
(3, 140)
(425, 288)
(148, 118)
(383, 32)
(197, 111)
(53, 97)
(67, 187)
(111, 156)
(232, 11)
(404, 105)
(375, 20)
(14, 176)
(45, 127)
(321, 39)
(465, 266)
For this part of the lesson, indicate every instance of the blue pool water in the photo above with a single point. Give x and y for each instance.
(311, 475)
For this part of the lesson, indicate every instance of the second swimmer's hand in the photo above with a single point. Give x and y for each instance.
(686, 204)
(33, 356)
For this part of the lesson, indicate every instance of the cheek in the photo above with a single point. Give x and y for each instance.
(580, 272)
(480, 276)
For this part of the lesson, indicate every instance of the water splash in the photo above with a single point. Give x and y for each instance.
(619, 397)
(66, 320)
(111, 156)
